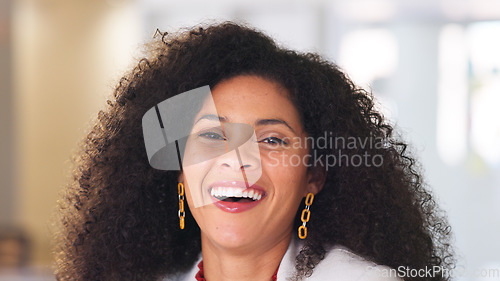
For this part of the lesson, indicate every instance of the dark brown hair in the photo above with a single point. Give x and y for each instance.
(119, 215)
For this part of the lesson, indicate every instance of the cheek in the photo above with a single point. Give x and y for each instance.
(286, 169)
(194, 176)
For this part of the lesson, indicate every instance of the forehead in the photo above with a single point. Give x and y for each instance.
(249, 85)
(253, 97)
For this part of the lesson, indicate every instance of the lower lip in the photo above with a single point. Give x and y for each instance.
(235, 207)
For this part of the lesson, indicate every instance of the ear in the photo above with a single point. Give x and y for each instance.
(316, 177)
(180, 177)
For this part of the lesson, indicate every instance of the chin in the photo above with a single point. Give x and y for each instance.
(233, 236)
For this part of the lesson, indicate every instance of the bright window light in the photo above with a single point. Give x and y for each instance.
(452, 95)
(369, 54)
(485, 89)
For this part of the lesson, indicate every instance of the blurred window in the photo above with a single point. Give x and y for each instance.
(371, 56)
(469, 92)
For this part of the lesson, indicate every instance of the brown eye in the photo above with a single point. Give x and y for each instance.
(274, 141)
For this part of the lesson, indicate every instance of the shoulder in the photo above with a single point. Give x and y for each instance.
(185, 276)
(341, 263)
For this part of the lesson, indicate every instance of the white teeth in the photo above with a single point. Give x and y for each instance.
(221, 191)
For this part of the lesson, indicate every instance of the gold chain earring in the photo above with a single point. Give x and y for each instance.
(181, 213)
(306, 215)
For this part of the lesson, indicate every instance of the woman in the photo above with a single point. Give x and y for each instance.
(317, 189)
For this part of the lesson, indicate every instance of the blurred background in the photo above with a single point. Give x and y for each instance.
(433, 65)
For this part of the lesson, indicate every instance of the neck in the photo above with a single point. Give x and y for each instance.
(246, 263)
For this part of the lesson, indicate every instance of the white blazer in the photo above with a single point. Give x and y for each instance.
(339, 264)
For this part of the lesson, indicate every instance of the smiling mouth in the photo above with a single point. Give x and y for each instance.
(236, 194)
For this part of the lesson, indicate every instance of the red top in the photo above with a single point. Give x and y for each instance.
(201, 277)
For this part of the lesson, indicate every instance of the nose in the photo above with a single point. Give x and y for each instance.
(243, 158)
(242, 149)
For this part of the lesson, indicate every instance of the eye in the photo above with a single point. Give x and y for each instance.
(273, 141)
(212, 136)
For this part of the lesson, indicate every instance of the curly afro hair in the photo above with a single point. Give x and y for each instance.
(119, 215)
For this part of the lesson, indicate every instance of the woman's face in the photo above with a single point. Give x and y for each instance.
(269, 168)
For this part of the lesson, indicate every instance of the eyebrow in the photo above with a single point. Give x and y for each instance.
(212, 117)
(260, 122)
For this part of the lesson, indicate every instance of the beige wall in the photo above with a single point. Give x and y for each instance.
(6, 126)
(67, 57)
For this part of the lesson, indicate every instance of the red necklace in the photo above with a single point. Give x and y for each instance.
(201, 277)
